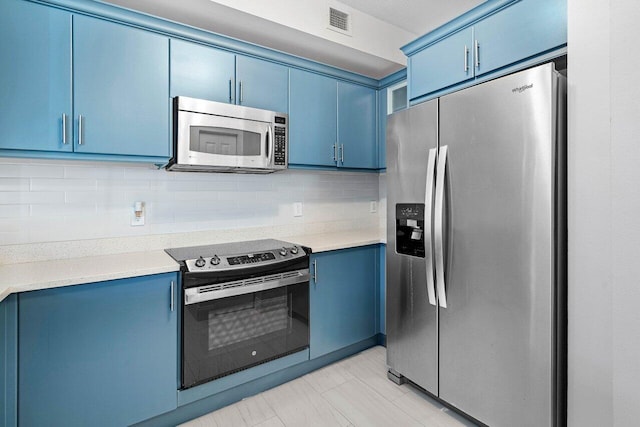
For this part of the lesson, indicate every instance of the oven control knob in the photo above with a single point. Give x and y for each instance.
(215, 260)
(283, 251)
(200, 262)
(294, 250)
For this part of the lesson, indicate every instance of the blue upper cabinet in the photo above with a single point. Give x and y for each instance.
(441, 65)
(357, 126)
(102, 354)
(121, 92)
(382, 128)
(523, 30)
(262, 84)
(495, 38)
(313, 130)
(342, 299)
(35, 77)
(202, 72)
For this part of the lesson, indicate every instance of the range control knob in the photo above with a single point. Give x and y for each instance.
(283, 251)
(200, 262)
(215, 260)
(294, 250)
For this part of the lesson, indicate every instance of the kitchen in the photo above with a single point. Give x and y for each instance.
(602, 232)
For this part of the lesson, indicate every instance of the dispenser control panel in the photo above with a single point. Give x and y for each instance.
(410, 229)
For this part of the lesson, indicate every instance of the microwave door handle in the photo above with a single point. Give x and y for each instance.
(268, 138)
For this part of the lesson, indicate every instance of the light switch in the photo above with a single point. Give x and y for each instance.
(297, 209)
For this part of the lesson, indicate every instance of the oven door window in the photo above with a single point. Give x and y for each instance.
(223, 336)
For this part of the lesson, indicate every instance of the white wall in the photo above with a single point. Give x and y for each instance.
(604, 203)
(45, 201)
(370, 35)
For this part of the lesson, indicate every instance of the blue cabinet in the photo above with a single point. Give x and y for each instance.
(357, 126)
(522, 30)
(35, 77)
(443, 64)
(313, 126)
(118, 80)
(342, 299)
(199, 71)
(332, 123)
(262, 84)
(490, 39)
(204, 72)
(9, 361)
(121, 95)
(98, 354)
(382, 128)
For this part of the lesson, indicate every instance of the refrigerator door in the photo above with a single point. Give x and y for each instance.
(412, 334)
(497, 331)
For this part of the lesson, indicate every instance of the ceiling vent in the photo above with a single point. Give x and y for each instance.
(339, 21)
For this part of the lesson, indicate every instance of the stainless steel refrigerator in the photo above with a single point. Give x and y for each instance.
(476, 249)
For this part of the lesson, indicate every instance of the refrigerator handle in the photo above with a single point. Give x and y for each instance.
(438, 225)
(428, 221)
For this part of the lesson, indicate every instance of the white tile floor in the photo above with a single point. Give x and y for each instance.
(351, 392)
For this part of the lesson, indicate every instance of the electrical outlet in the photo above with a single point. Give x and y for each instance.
(137, 218)
(297, 209)
(373, 206)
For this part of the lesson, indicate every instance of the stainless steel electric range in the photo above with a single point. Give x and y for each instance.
(243, 304)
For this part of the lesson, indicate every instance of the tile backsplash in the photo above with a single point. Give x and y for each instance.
(48, 201)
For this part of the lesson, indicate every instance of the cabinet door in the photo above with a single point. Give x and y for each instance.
(382, 128)
(262, 84)
(9, 361)
(202, 72)
(121, 77)
(441, 64)
(357, 126)
(35, 76)
(526, 29)
(313, 119)
(102, 354)
(342, 299)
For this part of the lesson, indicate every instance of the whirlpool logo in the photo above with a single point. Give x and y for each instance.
(522, 88)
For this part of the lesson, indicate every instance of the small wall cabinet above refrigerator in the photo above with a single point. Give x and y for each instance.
(493, 39)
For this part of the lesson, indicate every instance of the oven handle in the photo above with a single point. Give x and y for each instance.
(213, 292)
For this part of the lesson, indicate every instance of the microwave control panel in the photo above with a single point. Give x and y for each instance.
(280, 151)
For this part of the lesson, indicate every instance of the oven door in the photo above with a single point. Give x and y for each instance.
(229, 328)
(223, 142)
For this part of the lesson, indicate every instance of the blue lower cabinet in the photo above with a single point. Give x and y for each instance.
(9, 361)
(102, 354)
(342, 298)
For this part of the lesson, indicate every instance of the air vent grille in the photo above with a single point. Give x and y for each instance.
(338, 19)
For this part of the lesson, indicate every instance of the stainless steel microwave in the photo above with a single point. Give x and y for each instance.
(217, 137)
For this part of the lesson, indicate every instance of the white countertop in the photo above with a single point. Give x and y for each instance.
(46, 274)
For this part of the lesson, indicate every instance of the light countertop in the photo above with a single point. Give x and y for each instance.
(46, 274)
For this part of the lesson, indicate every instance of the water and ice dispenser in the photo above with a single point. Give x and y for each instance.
(410, 229)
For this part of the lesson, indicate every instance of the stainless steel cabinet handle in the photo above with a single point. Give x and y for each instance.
(477, 54)
(315, 271)
(466, 58)
(230, 90)
(428, 216)
(342, 153)
(171, 303)
(241, 92)
(438, 225)
(335, 152)
(80, 130)
(64, 129)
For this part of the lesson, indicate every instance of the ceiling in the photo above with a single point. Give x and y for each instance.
(408, 18)
(416, 16)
